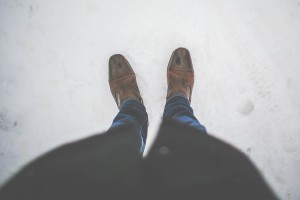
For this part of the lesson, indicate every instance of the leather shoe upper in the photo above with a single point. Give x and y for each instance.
(180, 74)
(122, 80)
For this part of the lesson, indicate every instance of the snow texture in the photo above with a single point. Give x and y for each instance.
(54, 74)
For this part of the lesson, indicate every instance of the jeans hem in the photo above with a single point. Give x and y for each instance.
(129, 99)
(177, 95)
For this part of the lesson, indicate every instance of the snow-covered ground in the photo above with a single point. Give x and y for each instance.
(54, 71)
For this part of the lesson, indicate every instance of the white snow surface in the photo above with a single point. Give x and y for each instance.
(54, 74)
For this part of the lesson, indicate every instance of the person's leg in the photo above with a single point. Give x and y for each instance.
(126, 93)
(178, 108)
(180, 76)
(134, 113)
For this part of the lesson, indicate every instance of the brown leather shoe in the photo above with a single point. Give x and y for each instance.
(180, 74)
(122, 80)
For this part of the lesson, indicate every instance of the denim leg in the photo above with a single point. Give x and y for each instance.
(178, 108)
(133, 112)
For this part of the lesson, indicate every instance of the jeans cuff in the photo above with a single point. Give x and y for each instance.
(130, 99)
(177, 95)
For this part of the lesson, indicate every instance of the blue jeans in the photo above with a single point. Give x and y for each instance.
(133, 112)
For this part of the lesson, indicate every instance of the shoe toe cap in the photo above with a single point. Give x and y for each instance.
(118, 66)
(181, 60)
